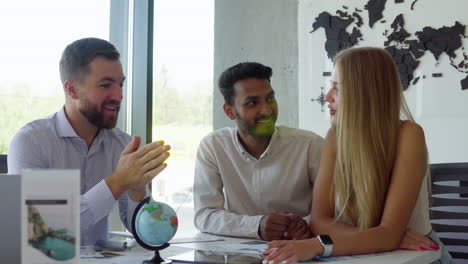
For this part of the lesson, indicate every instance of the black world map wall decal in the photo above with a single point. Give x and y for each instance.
(406, 48)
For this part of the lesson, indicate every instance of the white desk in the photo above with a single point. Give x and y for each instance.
(138, 254)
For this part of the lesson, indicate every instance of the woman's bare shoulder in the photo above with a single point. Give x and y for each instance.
(411, 140)
(410, 130)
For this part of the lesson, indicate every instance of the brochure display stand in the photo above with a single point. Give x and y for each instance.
(50, 227)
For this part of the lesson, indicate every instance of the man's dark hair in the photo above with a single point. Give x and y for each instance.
(77, 56)
(238, 72)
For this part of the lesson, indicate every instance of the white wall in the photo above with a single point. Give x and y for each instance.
(263, 31)
(438, 104)
(267, 31)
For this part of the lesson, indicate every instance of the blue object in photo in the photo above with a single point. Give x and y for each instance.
(154, 224)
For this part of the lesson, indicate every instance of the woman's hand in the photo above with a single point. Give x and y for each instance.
(415, 241)
(287, 252)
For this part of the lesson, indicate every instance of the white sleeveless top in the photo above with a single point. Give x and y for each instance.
(419, 220)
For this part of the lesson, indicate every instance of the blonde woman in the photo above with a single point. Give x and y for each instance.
(372, 184)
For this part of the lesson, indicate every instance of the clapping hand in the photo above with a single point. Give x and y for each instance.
(137, 167)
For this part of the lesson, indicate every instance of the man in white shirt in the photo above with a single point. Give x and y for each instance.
(255, 180)
(82, 136)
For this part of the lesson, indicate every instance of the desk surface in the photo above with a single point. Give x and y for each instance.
(138, 254)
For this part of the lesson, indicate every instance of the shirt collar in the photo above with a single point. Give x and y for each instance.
(101, 136)
(245, 154)
(64, 128)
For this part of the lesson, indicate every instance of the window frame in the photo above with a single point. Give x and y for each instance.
(131, 31)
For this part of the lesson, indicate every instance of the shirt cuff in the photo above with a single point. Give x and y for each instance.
(307, 218)
(100, 200)
(254, 221)
(131, 206)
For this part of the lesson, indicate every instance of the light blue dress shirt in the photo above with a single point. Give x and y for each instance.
(53, 143)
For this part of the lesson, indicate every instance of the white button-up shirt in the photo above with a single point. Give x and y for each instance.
(233, 190)
(53, 143)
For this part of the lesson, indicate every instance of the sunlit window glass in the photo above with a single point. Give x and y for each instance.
(183, 96)
(33, 36)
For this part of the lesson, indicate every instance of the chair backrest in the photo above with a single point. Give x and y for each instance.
(3, 164)
(449, 211)
(10, 219)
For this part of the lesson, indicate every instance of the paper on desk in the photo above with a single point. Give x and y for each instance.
(333, 259)
(255, 246)
(91, 255)
(120, 234)
(205, 238)
(88, 252)
(112, 245)
(194, 240)
(258, 246)
(127, 259)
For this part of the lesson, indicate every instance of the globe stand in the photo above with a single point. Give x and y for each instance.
(157, 258)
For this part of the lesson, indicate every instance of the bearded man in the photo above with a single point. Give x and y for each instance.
(82, 135)
(255, 180)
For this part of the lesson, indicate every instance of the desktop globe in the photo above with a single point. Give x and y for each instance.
(154, 224)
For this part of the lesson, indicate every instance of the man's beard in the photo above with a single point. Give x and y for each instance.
(258, 129)
(97, 118)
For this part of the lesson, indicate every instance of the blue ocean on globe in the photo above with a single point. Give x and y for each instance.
(156, 223)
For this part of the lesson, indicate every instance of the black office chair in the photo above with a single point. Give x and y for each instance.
(3, 164)
(449, 208)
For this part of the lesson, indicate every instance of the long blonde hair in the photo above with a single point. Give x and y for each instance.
(371, 98)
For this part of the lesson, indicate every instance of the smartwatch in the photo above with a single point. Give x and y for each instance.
(327, 244)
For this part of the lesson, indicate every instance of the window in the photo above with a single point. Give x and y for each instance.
(182, 96)
(34, 34)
